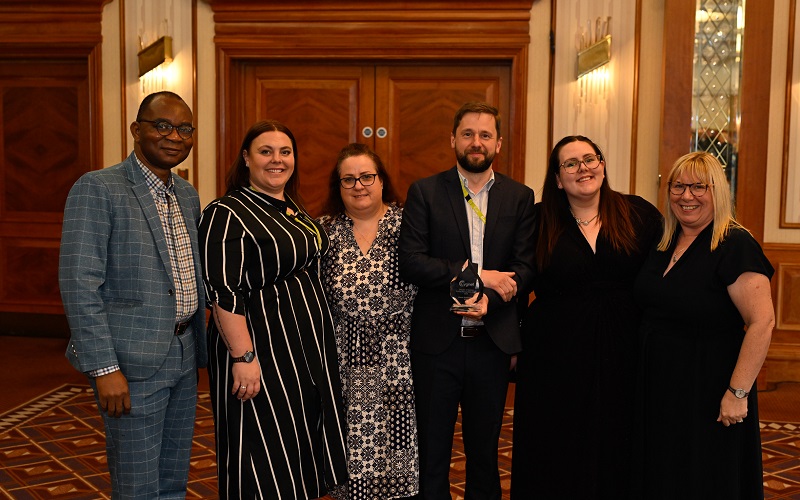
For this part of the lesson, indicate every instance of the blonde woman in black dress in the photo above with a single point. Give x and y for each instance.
(275, 388)
(706, 329)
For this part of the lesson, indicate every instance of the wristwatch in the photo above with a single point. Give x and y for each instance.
(739, 393)
(248, 357)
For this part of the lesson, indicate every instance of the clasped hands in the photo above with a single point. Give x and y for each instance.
(501, 282)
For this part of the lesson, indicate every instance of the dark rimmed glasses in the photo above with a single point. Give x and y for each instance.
(573, 164)
(697, 189)
(365, 180)
(164, 128)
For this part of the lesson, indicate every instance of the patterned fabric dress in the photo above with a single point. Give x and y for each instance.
(372, 312)
(289, 441)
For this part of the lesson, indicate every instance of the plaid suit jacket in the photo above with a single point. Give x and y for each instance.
(115, 274)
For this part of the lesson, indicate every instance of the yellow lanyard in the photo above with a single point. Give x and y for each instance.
(299, 217)
(472, 204)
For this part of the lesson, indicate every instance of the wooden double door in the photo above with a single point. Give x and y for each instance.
(403, 111)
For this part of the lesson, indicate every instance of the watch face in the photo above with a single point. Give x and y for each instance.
(249, 356)
(739, 393)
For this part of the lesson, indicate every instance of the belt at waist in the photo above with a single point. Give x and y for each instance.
(180, 328)
(472, 331)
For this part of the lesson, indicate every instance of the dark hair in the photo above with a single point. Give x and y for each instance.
(239, 175)
(334, 205)
(477, 107)
(147, 101)
(614, 211)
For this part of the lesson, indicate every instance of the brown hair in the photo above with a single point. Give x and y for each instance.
(614, 212)
(239, 175)
(477, 107)
(334, 205)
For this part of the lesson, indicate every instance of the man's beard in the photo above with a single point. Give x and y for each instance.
(475, 167)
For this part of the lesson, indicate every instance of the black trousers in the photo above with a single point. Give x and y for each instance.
(472, 372)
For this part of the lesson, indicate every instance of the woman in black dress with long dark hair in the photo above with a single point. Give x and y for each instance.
(575, 375)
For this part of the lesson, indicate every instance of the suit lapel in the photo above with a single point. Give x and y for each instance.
(183, 194)
(150, 211)
(456, 197)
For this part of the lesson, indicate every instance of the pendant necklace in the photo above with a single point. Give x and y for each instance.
(580, 221)
(365, 237)
(677, 254)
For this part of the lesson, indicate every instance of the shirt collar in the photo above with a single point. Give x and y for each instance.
(465, 182)
(153, 180)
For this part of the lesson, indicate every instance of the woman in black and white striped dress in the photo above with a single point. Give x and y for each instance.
(275, 389)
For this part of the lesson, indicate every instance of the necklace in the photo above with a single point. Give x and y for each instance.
(677, 254)
(369, 238)
(365, 238)
(580, 221)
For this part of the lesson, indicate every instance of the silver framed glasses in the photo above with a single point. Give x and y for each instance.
(589, 161)
(365, 180)
(164, 128)
(697, 189)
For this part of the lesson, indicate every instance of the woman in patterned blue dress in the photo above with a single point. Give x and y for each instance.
(372, 312)
(275, 387)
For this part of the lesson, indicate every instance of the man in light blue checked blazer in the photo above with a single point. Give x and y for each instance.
(132, 289)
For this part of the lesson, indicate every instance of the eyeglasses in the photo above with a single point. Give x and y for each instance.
(165, 128)
(573, 164)
(365, 180)
(697, 189)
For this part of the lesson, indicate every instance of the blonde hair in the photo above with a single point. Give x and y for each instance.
(705, 168)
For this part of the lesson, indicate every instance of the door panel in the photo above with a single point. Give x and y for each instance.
(44, 148)
(416, 104)
(323, 106)
(326, 105)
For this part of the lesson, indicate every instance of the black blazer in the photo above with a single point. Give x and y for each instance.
(434, 243)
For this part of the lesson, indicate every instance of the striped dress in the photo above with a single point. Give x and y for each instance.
(289, 441)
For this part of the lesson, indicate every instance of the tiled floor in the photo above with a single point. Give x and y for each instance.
(52, 446)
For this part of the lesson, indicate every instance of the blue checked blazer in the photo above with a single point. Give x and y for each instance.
(115, 274)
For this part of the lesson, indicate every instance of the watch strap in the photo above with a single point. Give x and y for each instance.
(736, 392)
(247, 357)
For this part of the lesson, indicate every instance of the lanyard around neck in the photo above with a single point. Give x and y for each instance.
(472, 204)
(301, 218)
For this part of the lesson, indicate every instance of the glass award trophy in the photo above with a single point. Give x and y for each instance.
(464, 286)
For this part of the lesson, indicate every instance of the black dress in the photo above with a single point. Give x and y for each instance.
(691, 333)
(575, 376)
(289, 441)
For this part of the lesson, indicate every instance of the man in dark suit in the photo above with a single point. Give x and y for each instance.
(467, 213)
(132, 289)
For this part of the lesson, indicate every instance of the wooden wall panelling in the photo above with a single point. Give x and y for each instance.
(783, 360)
(384, 36)
(754, 136)
(676, 104)
(50, 134)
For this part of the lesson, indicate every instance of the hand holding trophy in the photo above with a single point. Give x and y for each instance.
(464, 286)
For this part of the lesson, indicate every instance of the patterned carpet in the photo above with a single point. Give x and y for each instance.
(53, 448)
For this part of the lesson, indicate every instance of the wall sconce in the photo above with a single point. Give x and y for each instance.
(594, 56)
(155, 54)
(594, 52)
